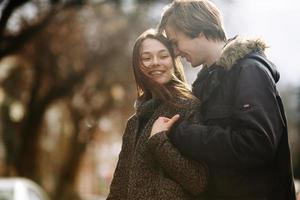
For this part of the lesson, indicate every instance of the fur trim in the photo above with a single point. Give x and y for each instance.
(237, 49)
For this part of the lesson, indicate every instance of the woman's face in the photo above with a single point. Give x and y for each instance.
(156, 61)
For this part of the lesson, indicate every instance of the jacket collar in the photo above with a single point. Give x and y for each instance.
(146, 108)
(238, 48)
(210, 78)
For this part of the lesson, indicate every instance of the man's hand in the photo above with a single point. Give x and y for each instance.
(163, 124)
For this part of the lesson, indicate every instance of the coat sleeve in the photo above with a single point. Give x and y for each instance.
(191, 175)
(119, 184)
(252, 140)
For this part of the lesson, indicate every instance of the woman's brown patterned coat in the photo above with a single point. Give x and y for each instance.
(151, 168)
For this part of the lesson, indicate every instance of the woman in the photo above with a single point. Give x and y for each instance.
(149, 167)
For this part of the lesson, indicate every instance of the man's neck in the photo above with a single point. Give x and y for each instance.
(215, 52)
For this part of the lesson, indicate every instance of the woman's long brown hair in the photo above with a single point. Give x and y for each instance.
(176, 88)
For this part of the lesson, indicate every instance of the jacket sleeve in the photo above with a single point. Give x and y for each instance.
(191, 175)
(118, 187)
(253, 138)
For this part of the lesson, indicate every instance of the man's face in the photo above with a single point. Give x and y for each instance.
(194, 50)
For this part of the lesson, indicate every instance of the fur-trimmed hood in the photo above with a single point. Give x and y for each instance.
(237, 48)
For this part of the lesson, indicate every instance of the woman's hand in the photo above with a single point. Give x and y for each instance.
(163, 124)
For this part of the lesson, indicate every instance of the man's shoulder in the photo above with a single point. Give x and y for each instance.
(256, 62)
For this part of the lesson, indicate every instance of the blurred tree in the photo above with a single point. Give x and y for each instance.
(61, 70)
(10, 42)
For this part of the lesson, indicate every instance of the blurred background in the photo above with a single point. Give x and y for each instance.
(67, 88)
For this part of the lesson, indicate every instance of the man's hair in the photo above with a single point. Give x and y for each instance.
(193, 17)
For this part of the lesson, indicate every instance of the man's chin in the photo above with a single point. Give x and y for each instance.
(195, 65)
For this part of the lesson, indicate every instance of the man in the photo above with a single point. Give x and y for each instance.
(243, 134)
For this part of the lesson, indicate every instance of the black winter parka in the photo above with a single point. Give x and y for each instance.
(243, 136)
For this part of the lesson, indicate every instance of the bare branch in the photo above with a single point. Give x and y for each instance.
(10, 44)
(7, 12)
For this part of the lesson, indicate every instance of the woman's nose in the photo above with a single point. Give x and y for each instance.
(155, 61)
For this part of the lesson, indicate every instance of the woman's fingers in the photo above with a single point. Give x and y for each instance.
(163, 124)
(173, 120)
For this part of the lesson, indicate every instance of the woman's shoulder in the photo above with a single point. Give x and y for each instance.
(132, 118)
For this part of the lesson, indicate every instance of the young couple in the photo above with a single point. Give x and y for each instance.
(227, 139)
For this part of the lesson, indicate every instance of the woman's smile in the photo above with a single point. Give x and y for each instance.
(156, 72)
